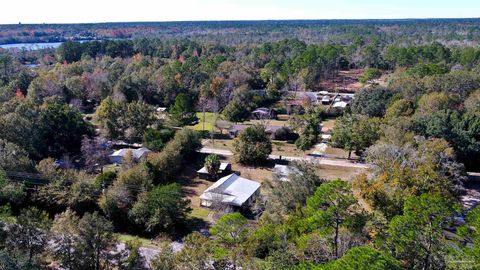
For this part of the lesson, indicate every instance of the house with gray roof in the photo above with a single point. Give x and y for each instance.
(138, 154)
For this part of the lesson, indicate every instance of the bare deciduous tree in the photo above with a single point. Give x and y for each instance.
(94, 152)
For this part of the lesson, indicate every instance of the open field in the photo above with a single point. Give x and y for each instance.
(346, 80)
(209, 120)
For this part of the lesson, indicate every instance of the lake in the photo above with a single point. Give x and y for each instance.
(32, 46)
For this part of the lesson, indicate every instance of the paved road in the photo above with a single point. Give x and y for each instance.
(222, 152)
(316, 160)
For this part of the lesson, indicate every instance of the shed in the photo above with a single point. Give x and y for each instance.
(340, 104)
(263, 113)
(225, 168)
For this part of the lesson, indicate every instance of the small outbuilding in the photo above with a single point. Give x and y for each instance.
(161, 109)
(231, 190)
(225, 168)
(340, 104)
(263, 113)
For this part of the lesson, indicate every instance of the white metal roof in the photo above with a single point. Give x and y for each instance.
(137, 153)
(231, 189)
(223, 167)
(340, 104)
(120, 153)
(326, 136)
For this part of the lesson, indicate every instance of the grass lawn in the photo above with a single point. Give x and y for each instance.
(111, 168)
(127, 237)
(200, 212)
(328, 125)
(226, 144)
(193, 187)
(333, 172)
(209, 119)
(338, 153)
(259, 173)
(286, 149)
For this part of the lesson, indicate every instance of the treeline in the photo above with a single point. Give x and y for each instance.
(245, 32)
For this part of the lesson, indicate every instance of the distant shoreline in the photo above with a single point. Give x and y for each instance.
(251, 21)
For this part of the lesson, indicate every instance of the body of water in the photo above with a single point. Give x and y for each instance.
(32, 46)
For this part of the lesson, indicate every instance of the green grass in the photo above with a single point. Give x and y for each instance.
(111, 168)
(286, 149)
(127, 237)
(209, 119)
(328, 124)
(226, 144)
(200, 212)
(338, 152)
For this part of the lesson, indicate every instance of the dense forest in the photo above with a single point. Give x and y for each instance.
(412, 31)
(415, 120)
